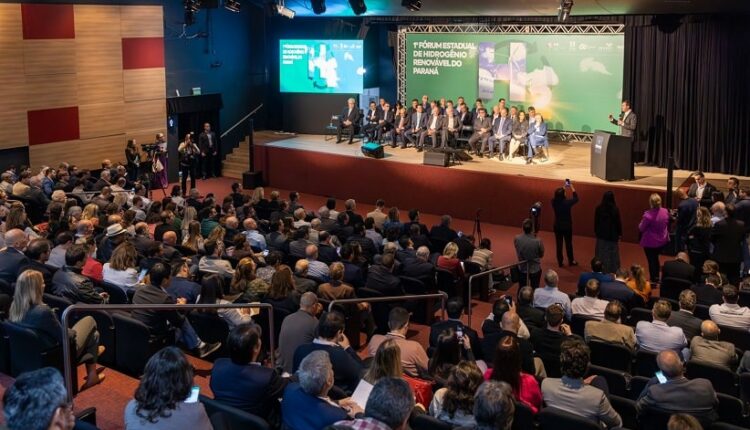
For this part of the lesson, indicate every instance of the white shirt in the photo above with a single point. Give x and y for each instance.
(730, 315)
(450, 121)
(419, 117)
(122, 278)
(657, 336)
(547, 296)
(699, 190)
(589, 306)
(434, 122)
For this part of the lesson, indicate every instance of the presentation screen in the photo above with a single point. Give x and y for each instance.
(573, 80)
(321, 66)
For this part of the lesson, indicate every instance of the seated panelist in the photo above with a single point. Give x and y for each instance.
(385, 123)
(502, 128)
(417, 126)
(451, 126)
(400, 126)
(348, 120)
(519, 134)
(537, 137)
(433, 129)
(482, 130)
(372, 119)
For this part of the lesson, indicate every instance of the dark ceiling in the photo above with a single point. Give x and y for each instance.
(337, 8)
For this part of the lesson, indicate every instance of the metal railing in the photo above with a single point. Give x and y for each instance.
(67, 359)
(441, 295)
(487, 273)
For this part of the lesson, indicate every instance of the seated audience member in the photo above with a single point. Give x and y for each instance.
(69, 283)
(12, 257)
(611, 329)
(729, 313)
(387, 364)
(369, 248)
(212, 262)
(341, 229)
(466, 247)
(678, 394)
(405, 251)
(639, 283)
(92, 268)
(550, 294)
(256, 240)
(302, 283)
(454, 404)
(245, 284)
(683, 422)
(483, 255)
(547, 340)
(574, 394)
(37, 254)
(121, 270)
(510, 326)
(418, 237)
(299, 243)
(494, 406)
(684, 317)
(377, 214)
(241, 381)
(597, 272)
(507, 368)
(590, 305)
(707, 348)
(212, 293)
(619, 290)
(337, 290)
(305, 405)
(447, 354)
(326, 251)
(38, 400)
(413, 356)
(420, 266)
(454, 310)
(380, 277)
(389, 406)
(171, 254)
(282, 294)
(679, 268)
(443, 231)
(657, 336)
(530, 316)
(142, 240)
(708, 292)
(297, 329)
(352, 269)
(56, 258)
(315, 268)
(159, 401)
(181, 286)
(347, 365)
(115, 235)
(449, 261)
(158, 322)
(372, 232)
(28, 311)
(166, 224)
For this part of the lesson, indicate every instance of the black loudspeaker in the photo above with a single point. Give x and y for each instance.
(435, 158)
(373, 150)
(252, 180)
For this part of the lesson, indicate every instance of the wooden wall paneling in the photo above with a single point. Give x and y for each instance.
(85, 153)
(51, 91)
(145, 115)
(49, 57)
(99, 86)
(103, 119)
(10, 23)
(144, 136)
(142, 21)
(52, 154)
(97, 22)
(110, 147)
(144, 84)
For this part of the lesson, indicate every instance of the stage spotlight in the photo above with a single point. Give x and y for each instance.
(232, 5)
(284, 11)
(318, 6)
(563, 12)
(412, 5)
(192, 5)
(358, 6)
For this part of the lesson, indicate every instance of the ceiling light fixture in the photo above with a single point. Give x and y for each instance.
(563, 12)
(412, 5)
(358, 6)
(318, 6)
(281, 10)
(232, 5)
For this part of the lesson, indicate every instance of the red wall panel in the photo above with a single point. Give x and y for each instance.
(142, 52)
(53, 125)
(48, 21)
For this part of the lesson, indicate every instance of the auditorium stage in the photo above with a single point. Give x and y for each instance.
(504, 190)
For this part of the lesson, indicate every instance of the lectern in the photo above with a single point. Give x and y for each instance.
(611, 156)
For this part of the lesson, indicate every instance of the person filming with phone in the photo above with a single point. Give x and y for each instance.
(563, 224)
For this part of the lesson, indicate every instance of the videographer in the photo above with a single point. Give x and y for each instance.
(188, 152)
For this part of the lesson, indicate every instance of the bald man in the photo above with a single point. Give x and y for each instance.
(679, 268)
(170, 241)
(302, 283)
(678, 394)
(12, 257)
(256, 240)
(708, 349)
(316, 269)
(510, 325)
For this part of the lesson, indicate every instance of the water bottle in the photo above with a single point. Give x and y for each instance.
(180, 175)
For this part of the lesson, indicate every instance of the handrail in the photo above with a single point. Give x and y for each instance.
(487, 273)
(241, 121)
(67, 361)
(442, 295)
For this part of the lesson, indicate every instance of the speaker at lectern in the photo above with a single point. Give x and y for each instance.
(611, 156)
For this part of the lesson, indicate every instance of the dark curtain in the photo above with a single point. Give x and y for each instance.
(686, 77)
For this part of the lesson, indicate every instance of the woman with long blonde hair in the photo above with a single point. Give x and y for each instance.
(386, 363)
(245, 282)
(28, 311)
(449, 260)
(91, 213)
(193, 238)
(189, 216)
(258, 195)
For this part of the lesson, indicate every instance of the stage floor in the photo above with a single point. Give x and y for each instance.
(566, 161)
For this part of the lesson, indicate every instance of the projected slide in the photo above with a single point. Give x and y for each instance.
(321, 66)
(573, 80)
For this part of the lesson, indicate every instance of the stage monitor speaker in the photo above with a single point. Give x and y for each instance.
(373, 150)
(436, 158)
(252, 180)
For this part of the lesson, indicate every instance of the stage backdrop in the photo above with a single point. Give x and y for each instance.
(573, 80)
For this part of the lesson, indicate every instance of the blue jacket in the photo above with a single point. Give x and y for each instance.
(347, 366)
(252, 388)
(302, 411)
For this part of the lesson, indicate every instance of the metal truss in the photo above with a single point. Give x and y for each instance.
(564, 136)
(570, 136)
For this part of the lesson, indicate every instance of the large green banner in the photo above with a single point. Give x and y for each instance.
(573, 80)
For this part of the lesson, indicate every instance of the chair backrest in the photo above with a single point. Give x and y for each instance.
(446, 281)
(437, 245)
(523, 418)
(645, 363)
(210, 327)
(412, 285)
(627, 410)
(739, 337)
(617, 380)
(117, 296)
(427, 422)
(731, 410)
(555, 419)
(134, 344)
(701, 311)
(578, 323)
(639, 314)
(637, 385)
(744, 298)
(610, 355)
(654, 419)
(745, 387)
(224, 417)
(26, 353)
(724, 380)
(57, 303)
(670, 288)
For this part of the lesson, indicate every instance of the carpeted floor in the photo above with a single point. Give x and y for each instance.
(113, 394)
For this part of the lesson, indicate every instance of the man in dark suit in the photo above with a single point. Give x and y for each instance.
(347, 366)
(209, 146)
(708, 292)
(482, 130)
(417, 125)
(686, 211)
(505, 323)
(443, 231)
(241, 381)
(349, 120)
(380, 277)
(401, 123)
(326, 252)
(354, 218)
(159, 322)
(413, 108)
(451, 127)
(38, 253)
(547, 341)
(728, 237)
(679, 268)
(432, 130)
(501, 134)
(342, 229)
(420, 266)
(12, 257)
(531, 316)
(627, 120)
(678, 394)
(701, 190)
(372, 119)
(684, 318)
(142, 240)
(385, 122)
(358, 235)
(464, 116)
(454, 309)
(618, 290)
(69, 283)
